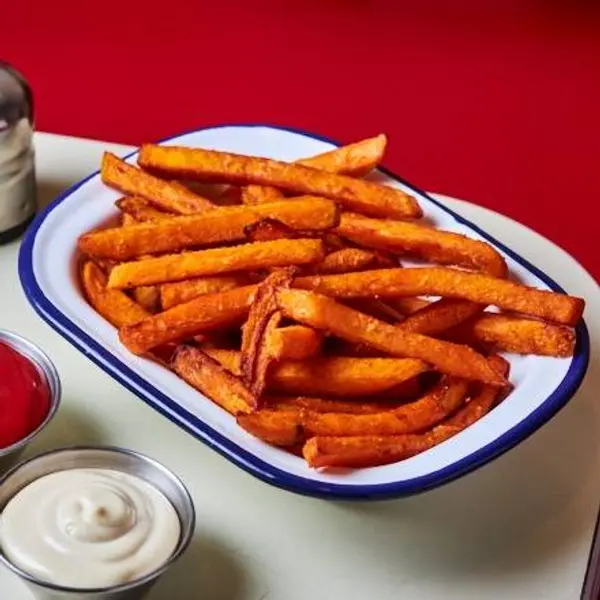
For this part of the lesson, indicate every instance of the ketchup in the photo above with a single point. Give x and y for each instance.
(24, 396)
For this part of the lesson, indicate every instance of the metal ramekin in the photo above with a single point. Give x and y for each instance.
(10, 454)
(117, 459)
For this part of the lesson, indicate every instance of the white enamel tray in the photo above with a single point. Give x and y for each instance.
(47, 268)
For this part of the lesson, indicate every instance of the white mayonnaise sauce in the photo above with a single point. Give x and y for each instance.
(89, 528)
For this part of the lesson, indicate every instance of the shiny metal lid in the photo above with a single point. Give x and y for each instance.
(16, 98)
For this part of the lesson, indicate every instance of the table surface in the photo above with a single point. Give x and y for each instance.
(494, 102)
(518, 528)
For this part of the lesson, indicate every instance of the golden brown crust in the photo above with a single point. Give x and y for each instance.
(327, 405)
(140, 210)
(440, 316)
(172, 294)
(451, 283)
(148, 296)
(268, 230)
(247, 257)
(295, 342)
(345, 356)
(373, 450)
(355, 159)
(421, 241)
(259, 194)
(225, 224)
(169, 196)
(115, 306)
(444, 399)
(362, 451)
(215, 382)
(206, 313)
(322, 312)
(515, 334)
(263, 319)
(331, 375)
(208, 165)
(347, 260)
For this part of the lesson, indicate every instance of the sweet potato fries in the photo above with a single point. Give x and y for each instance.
(289, 308)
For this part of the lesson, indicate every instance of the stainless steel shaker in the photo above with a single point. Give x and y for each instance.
(17, 170)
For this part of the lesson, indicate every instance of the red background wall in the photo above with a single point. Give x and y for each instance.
(494, 102)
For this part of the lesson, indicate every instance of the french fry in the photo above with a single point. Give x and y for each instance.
(169, 196)
(492, 331)
(333, 242)
(515, 334)
(408, 305)
(347, 260)
(364, 450)
(331, 375)
(343, 376)
(346, 358)
(104, 264)
(148, 296)
(268, 230)
(324, 313)
(205, 313)
(295, 342)
(259, 194)
(371, 451)
(215, 382)
(327, 405)
(115, 306)
(208, 165)
(127, 220)
(424, 242)
(274, 427)
(376, 308)
(140, 210)
(342, 259)
(248, 257)
(225, 224)
(451, 283)
(354, 159)
(179, 292)
(440, 316)
(264, 318)
(425, 412)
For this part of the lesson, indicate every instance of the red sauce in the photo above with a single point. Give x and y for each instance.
(24, 396)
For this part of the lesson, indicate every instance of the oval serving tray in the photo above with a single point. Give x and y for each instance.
(47, 269)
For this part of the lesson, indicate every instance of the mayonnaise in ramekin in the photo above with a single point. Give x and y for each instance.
(89, 528)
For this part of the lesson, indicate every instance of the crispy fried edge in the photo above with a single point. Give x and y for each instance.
(115, 306)
(439, 403)
(215, 261)
(220, 225)
(206, 375)
(140, 210)
(179, 292)
(264, 317)
(422, 241)
(355, 159)
(170, 196)
(209, 165)
(452, 283)
(325, 313)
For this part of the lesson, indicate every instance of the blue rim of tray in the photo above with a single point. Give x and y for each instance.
(250, 462)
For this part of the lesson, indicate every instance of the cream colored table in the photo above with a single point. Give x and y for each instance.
(518, 528)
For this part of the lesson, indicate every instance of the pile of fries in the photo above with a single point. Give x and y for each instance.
(276, 289)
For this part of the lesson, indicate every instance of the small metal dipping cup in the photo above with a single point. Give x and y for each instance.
(117, 459)
(10, 454)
